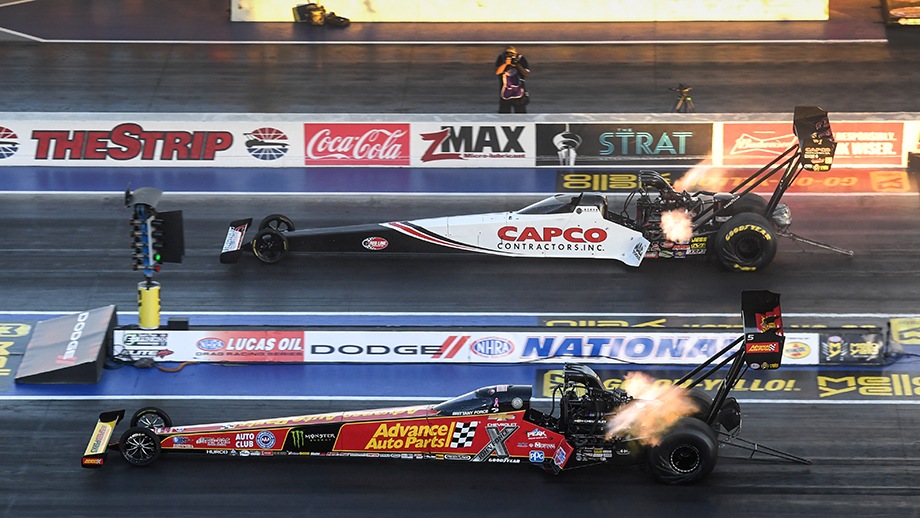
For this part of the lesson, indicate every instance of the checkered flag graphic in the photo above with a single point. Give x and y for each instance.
(463, 435)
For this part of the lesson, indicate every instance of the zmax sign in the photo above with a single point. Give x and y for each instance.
(439, 145)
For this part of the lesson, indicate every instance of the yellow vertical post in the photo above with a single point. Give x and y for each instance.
(148, 304)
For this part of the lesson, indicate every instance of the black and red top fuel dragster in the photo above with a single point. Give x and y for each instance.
(675, 433)
(739, 227)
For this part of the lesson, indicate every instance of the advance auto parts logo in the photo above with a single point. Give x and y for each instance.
(9, 143)
(266, 143)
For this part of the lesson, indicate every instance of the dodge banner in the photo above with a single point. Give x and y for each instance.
(360, 346)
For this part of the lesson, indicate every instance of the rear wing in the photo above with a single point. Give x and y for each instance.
(813, 151)
(816, 140)
(761, 347)
(233, 243)
(100, 441)
(763, 330)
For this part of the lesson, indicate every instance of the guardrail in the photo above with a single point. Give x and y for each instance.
(437, 141)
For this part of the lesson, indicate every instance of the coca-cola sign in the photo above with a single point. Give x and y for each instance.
(356, 144)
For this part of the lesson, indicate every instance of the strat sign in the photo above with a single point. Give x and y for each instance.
(129, 141)
(356, 144)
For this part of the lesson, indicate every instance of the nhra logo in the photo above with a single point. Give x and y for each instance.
(266, 143)
(492, 347)
(210, 344)
(9, 142)
(466, 142)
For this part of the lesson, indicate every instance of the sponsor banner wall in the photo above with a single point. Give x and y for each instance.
(136, 141)
(210, 346)
(858, 143)
(566, 144)
(912, 137)
(463, 141)
(723, 179)
(473, 145)
(440, 346)
(356, 144)
(782, 384)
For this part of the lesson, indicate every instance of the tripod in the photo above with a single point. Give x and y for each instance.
(684, 102)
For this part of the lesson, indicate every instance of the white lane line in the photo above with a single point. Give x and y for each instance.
(454, 43)
(466, 314)
(170, 397)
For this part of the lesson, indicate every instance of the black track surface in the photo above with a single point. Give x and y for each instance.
(69, 252)
(870, 466)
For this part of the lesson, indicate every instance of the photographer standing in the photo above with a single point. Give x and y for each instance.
(511, 69)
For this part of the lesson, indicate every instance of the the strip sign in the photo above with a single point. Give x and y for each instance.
(439, 346)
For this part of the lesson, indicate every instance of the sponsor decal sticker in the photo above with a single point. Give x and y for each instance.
(375, 243)
(265, 440)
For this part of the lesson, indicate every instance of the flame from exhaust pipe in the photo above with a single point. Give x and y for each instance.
(655, 408)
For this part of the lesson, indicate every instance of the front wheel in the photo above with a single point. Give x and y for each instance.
(269, 245)
(746, 242)
(151, 417)
(139, 446)
(279, 222)
(685, 454)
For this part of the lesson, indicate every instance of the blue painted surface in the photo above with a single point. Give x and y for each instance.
(314, 380)
(281, 180)
(315, 320)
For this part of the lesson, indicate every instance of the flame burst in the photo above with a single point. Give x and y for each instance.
(677, 226)
(652, 412)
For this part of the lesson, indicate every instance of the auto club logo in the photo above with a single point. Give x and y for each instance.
(267, 143)
(9, 142)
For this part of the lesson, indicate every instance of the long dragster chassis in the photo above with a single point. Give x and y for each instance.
(588, 424)
(739, 227)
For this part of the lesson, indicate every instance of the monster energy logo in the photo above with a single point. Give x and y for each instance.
(300, 438)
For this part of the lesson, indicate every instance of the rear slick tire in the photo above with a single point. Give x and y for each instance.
(746, 242)
(687, 453)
